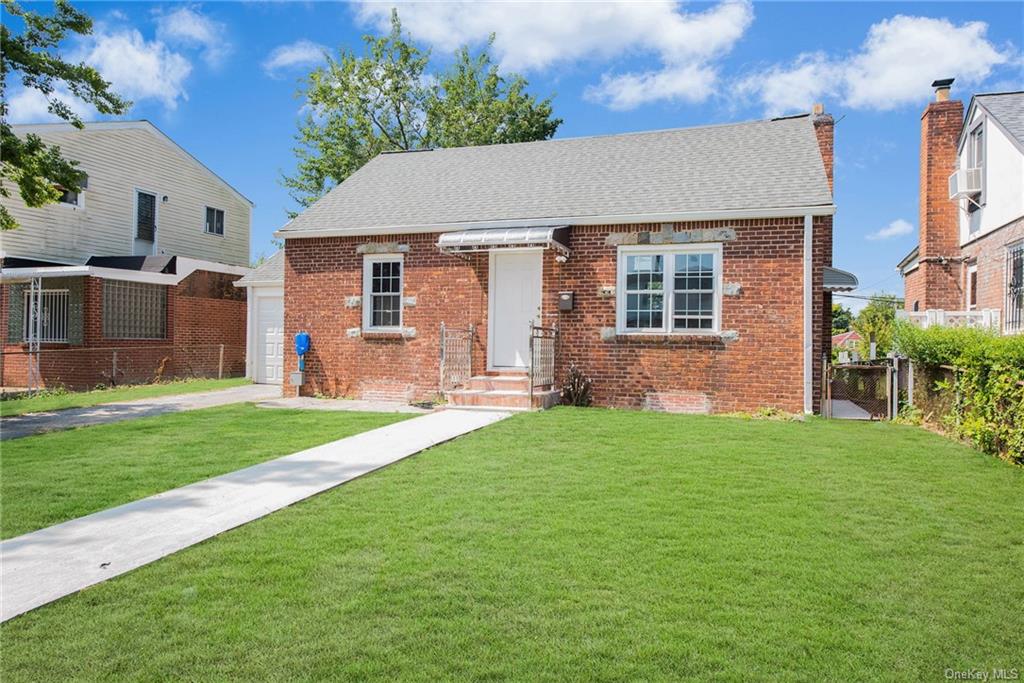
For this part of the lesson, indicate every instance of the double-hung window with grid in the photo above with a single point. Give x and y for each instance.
(669, 290)
(382, 292)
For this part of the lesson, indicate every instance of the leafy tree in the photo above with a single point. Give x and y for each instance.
(473, 104)
(33, 55)
(841, 319)
(877, 318)
(386, 100)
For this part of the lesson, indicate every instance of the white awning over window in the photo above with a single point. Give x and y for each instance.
(484, 240)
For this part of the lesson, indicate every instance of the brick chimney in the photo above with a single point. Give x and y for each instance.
(939, 220)
(824, 129)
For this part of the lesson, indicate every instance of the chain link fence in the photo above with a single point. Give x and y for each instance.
(860, 391)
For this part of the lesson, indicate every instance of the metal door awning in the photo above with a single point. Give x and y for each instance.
(554, 237)
(835, 280)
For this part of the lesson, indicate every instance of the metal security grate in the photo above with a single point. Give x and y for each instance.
(1014, 316)
(53, 316)
(456, 356)
(134, 310)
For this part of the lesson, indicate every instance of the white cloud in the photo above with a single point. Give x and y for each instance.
(27, 105)
(301, 53)
(894, 67)
(139, 69)
(897, 228)
(535, 36)
(187, 26)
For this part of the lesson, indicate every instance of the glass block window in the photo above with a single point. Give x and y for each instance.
(382, 285)
(214, 221)
(134, 310)
(694, 292)
(53, 305)
(669, 290)
(645, 292)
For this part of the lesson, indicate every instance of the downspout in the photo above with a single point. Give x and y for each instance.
(808, 314)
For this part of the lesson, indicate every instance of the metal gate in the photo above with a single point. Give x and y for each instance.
(542, 357)
(456, 356)
(860, 391)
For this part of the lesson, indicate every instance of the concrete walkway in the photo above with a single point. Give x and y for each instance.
(341, 404)
(848, 410)
(18, 426)
(45, 565)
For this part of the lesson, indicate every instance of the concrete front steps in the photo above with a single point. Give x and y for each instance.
(510, 391)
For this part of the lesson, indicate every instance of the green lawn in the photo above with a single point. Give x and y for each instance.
(47, 401)
(587, 545)
(55, 477)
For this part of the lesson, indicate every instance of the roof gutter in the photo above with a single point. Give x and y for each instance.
(614, 219)
(186, 267)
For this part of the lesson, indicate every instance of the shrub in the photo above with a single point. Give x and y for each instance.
(988, 389)
(577, 388)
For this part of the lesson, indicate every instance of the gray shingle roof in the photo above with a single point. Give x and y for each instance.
(1008, 109)
(271, 270)
(755, 165)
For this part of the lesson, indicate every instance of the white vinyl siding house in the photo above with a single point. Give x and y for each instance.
(987, 145)
(122, 161)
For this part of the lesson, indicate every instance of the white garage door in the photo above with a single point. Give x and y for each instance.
(269, 360)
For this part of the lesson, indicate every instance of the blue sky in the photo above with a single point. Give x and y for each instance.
(221, 79)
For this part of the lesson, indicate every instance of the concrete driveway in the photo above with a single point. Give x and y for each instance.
(45, 565)
(18, 426)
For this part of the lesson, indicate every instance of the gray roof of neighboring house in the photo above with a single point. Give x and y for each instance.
(755, 165)
(270, 271)
(1008, 109)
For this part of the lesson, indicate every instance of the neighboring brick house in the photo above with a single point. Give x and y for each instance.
(130, 279)
(681, 270)
(969, 265)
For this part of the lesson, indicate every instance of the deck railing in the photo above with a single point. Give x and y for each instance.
(987, 317)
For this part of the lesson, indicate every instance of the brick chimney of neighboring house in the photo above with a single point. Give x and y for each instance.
(939, 247)
(824, 129)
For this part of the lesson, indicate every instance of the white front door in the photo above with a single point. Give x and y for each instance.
(269, 360)
(514, 298)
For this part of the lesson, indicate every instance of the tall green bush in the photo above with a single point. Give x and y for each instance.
(989, 384)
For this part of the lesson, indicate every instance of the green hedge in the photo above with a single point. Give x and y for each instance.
(989, 384)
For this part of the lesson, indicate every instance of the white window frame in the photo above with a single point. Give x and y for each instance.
(972, 269)
(368, 261)
(66, 306)
(208, 232)
(670, 250)
(977, 158)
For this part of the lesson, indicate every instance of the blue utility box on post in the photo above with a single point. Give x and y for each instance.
(301, 348)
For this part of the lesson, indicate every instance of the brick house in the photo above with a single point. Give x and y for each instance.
(968, 267)
(129, 279)
(681, 270)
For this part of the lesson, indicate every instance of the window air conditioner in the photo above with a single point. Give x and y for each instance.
(964, 183)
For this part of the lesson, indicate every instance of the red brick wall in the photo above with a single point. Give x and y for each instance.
(989, 253)
(938, 218)
(913, 290)
(321, 274)
(196, 326)
(763, 368)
